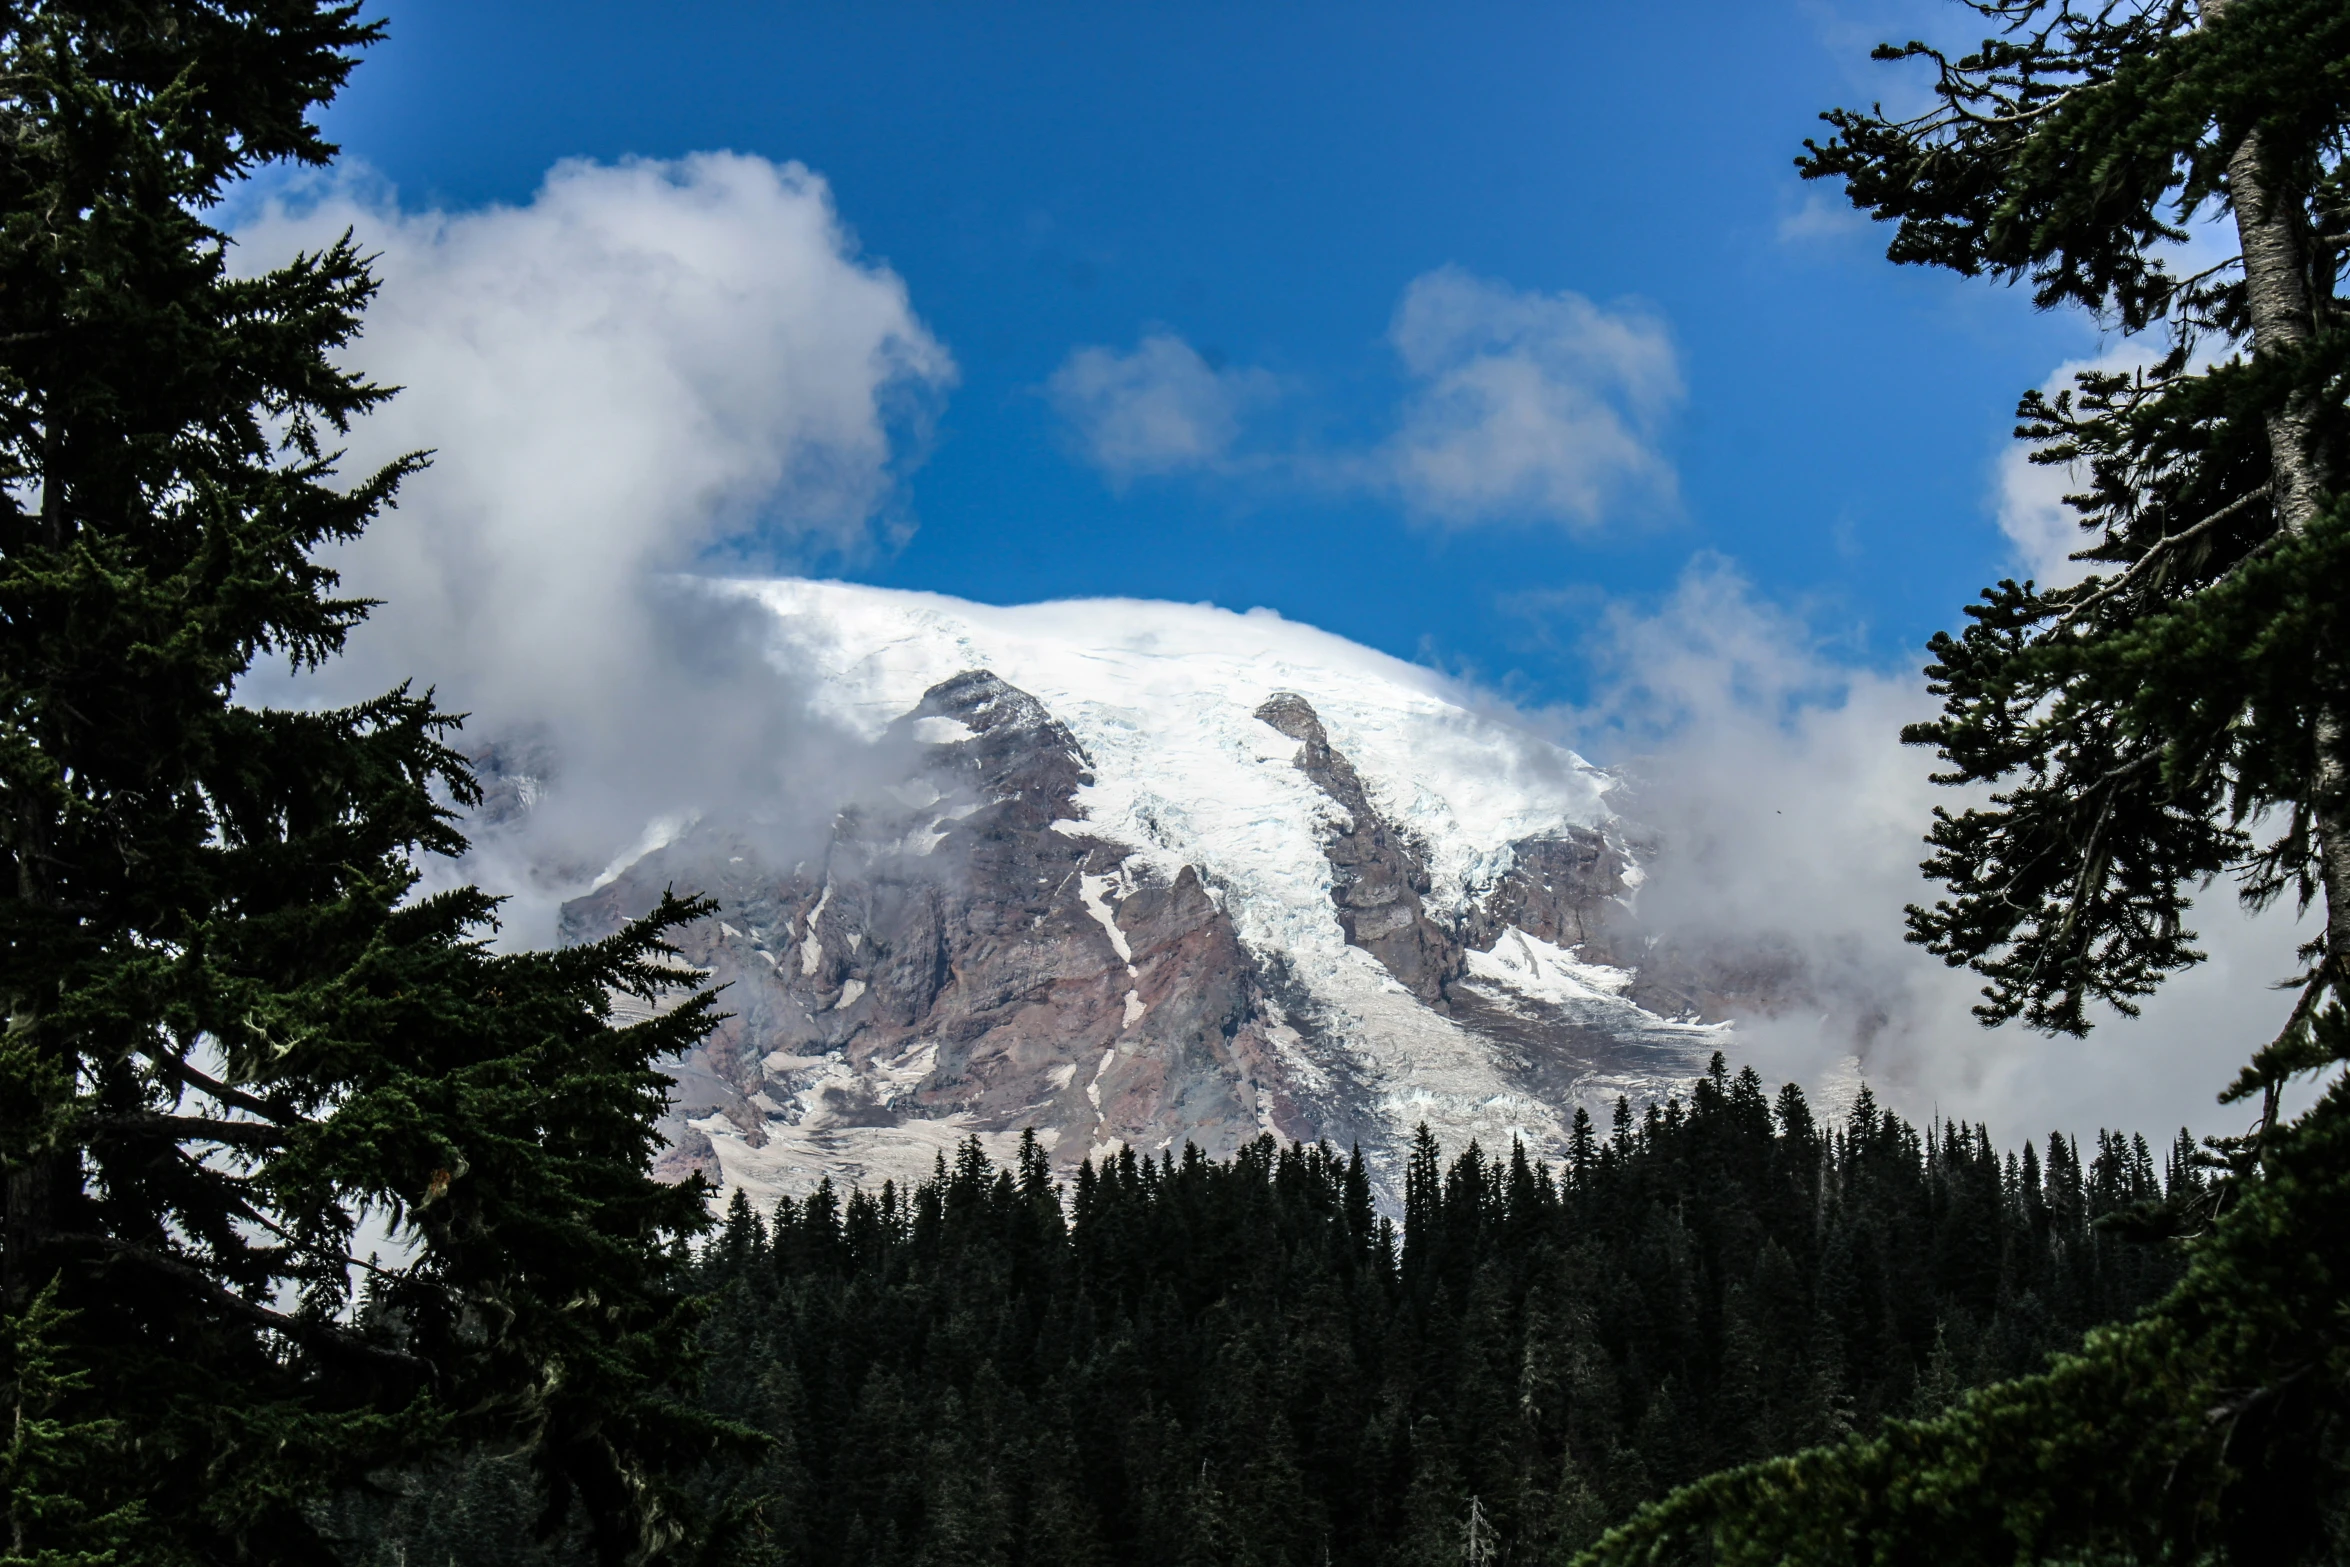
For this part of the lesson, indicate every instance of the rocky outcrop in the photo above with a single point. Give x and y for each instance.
(1574, 889)
(968, 956)
(1571, 889)
(1568, 889)
(1378, 878)
(964, 960)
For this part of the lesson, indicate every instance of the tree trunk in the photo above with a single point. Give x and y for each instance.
(28, 1191)
(30, 1219)
(2276, 294)
(2276, 290)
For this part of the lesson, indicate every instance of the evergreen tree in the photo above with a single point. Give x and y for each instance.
(49, 1467)
(230, 1030)
(1225, 1361)
(2139, 724)
(2178, 716)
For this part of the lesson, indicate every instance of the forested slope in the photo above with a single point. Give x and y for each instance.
(1180, 1360)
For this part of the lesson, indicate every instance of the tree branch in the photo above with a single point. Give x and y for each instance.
(198, 1128)
(2155, 551)
(304, 1331)
(224, 1093)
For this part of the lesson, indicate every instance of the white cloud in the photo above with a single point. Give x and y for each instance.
(1821, 215)
(1159, 409)
(1791, 811)
(1522, 405)
(1542, 405)
(648, 366)
(2041, 529)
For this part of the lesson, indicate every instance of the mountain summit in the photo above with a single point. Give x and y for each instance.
(1157, 873)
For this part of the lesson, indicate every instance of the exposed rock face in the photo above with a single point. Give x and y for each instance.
(1568, 889)
(1161, 874)
(1377, 877)
(974, 963)
(1756, 976)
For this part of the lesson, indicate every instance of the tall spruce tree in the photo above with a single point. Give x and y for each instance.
(230, 1032)
(2179, 717)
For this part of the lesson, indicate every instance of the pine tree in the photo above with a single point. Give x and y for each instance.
(49, 1466)
(1479, 1548)
(230, 1030)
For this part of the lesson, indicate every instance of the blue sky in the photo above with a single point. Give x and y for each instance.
(1500, 337)
(1259, 188)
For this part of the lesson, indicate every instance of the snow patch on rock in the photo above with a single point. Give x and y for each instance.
(1531, 967)
(1162, 699)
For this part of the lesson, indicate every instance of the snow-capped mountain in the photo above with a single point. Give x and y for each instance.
(1157, 873)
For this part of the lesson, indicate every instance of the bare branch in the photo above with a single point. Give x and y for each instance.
(197, 1128)
(224, 1093)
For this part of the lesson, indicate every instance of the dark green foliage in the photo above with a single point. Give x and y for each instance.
(2211, 1428)
(52, 1466)
(1226, 1363)
(2074, 141)
(2139, 727)
(230, 1033)
(2179, 715)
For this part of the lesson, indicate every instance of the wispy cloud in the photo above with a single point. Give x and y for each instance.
(1160, 408)
(1528, 404)
(1519, 406)
(1821, 215)
(1770, 763)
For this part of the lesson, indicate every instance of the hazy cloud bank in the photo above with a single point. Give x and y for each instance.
(1520, 405)
(647, 369)
(1771, 765)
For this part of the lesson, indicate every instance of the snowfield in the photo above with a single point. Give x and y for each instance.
(1162, 698)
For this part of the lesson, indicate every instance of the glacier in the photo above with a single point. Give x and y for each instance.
(1109, 813)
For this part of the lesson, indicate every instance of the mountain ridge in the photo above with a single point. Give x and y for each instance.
(1156, 875)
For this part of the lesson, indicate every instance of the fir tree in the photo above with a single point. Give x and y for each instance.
(2180, 715)
(2141, 725)
(50, 1466)
(230, 1031)
(1208, 1363)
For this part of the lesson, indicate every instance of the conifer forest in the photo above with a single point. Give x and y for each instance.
(348, 1219)
(1184, 1360)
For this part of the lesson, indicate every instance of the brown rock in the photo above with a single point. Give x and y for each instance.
(1377, 876)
